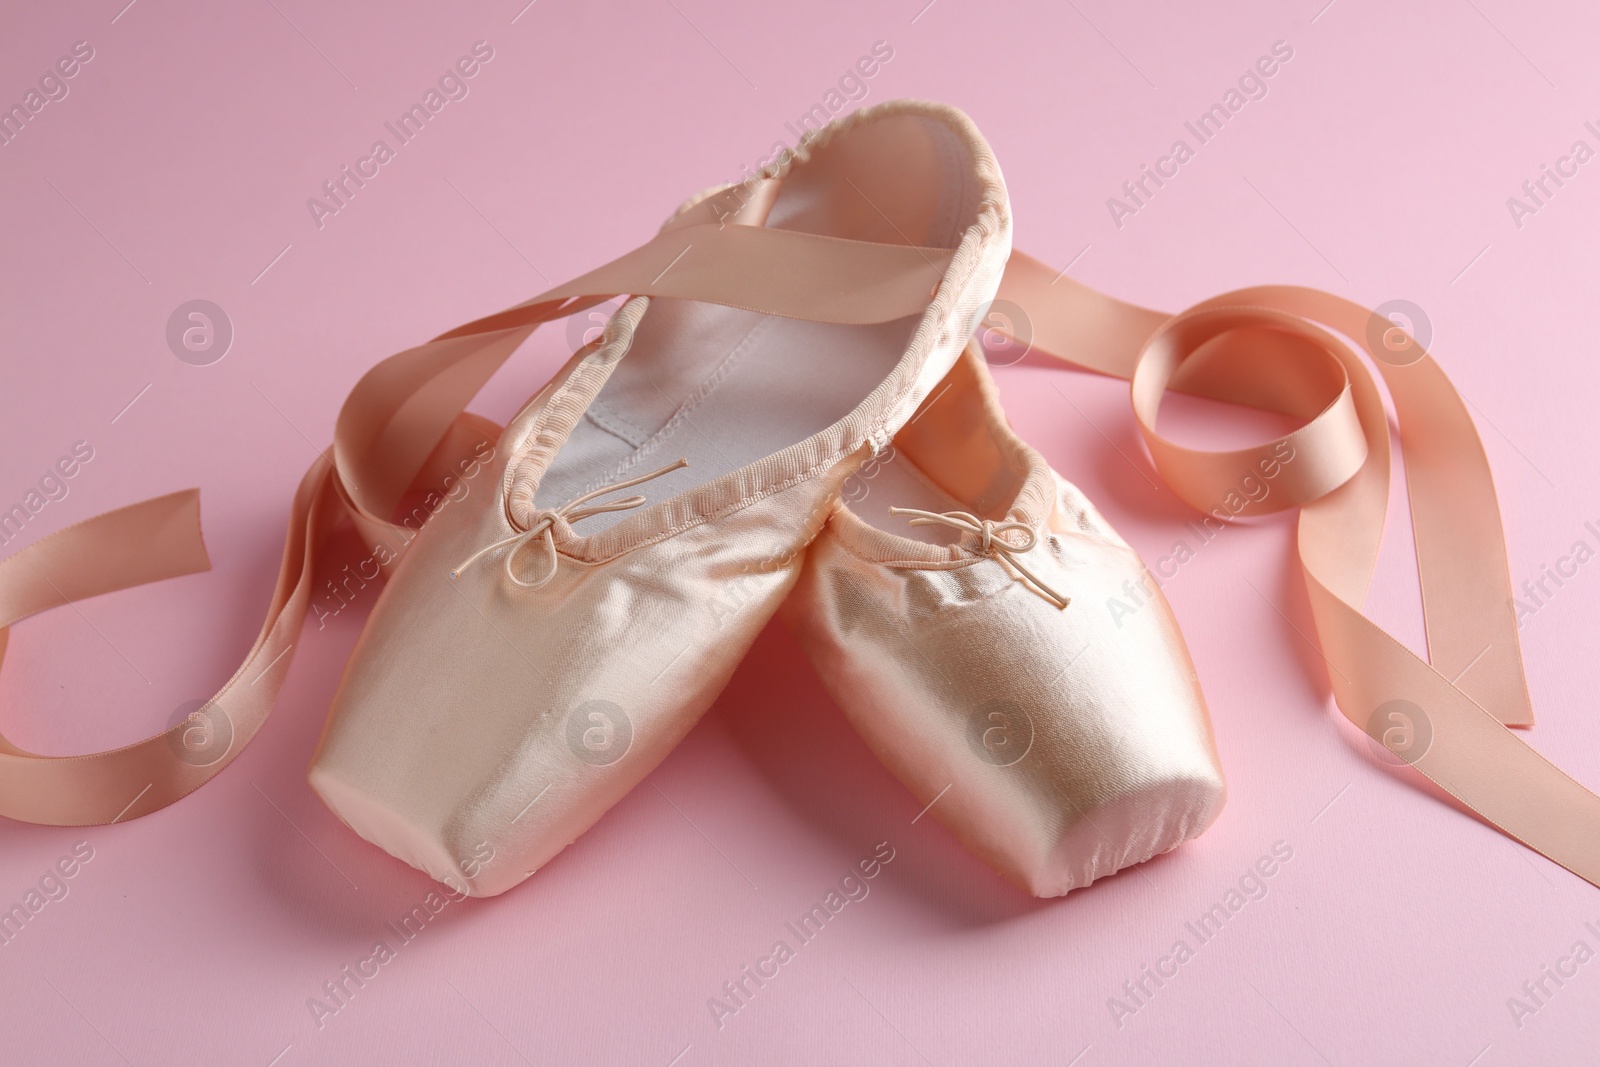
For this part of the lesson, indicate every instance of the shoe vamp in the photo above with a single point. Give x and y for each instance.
(480, 716)
(1081, 729)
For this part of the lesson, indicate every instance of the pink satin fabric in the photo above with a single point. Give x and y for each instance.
(1272, 347)
(532, 659)
(1060, 742)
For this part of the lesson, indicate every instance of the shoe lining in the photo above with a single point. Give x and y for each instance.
(724, 387)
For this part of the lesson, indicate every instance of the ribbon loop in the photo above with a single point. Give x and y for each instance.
(1266, 358)
(1284, 353)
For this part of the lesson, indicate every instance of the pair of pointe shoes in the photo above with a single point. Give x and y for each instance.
(547, 640)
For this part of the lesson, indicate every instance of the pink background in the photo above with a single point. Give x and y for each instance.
(178, 167)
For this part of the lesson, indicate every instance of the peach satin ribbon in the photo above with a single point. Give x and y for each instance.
(403, 428)
(1270, 348)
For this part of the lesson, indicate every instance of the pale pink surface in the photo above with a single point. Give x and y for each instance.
(1380, 164)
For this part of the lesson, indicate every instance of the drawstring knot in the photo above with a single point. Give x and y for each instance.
(541, 524)
(989, 534)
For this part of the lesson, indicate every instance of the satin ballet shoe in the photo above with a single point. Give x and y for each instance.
(956, 608)
(546, 640)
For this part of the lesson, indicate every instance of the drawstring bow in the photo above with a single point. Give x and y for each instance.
(989, 534)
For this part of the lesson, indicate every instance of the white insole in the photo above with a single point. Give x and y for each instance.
(722, 388)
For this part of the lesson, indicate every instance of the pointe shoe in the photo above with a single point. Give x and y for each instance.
(543, 644)
(956, 608)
